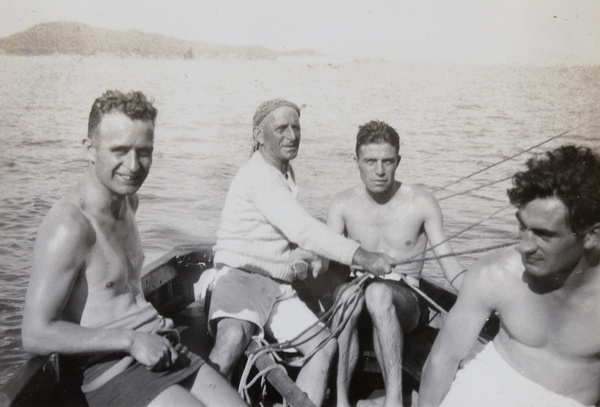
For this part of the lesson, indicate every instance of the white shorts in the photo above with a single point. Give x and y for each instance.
(272, 306)
(488, 380)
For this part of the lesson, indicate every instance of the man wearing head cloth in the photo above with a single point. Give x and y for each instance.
(263, 231)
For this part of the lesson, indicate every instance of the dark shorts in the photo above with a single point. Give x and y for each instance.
(412, 299)
(320, 293)
(136, 385)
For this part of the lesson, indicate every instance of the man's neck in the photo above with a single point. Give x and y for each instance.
(279, 165)
(381, 198)
(98, 200)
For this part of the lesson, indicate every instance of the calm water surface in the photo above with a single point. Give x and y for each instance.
(453, 121)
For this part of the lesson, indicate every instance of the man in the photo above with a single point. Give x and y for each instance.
(85, 296)
(545, 291)
(387, 216)
(261, 225)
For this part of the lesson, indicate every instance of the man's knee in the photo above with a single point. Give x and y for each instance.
(232, 332)
(379, 298)
(232, 337)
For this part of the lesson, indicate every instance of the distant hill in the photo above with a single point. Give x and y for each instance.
(80, 39)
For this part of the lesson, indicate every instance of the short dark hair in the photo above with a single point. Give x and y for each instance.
(133, 104)
(569, 173)
(377, 131)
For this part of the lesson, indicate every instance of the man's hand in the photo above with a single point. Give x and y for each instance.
(154, 351)
(303, 261)
(377, 264)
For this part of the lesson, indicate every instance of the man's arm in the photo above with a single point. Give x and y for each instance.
(62, 245)
(458, 334)
(277, 204)
(434, 229)
(335, 216)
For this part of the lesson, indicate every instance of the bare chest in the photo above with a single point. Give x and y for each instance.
(117, 256)
(396, 229)
(569, 327)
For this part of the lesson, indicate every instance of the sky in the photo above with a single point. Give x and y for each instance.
(520, 32)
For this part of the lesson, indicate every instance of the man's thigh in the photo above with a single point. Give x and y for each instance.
(175, 396)
(289, 318)
(243, 296)
(405, 301)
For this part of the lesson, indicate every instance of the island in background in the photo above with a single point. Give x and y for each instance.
(71, 38)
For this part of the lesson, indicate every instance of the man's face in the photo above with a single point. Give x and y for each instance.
(547, 244)
(377, 163)
(121, 152)
(279, 135)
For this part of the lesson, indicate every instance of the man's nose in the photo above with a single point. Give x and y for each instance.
(133, 161)
(527, 242)
(290, 133)
(379, 168)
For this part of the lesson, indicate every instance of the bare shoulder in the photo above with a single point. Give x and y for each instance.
(65, 225)
(347, 197)
(420, 192)
(496, 273)
(500, 262)
(421, 198)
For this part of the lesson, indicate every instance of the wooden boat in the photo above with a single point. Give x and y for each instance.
(168, 285)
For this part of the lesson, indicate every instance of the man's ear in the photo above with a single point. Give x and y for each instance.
(89, 149)
(257, 135)
(591, 238)
(356, 161)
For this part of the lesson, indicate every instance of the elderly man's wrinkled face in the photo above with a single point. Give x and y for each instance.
(279, 136)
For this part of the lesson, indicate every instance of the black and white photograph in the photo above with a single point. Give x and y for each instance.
(383, 203)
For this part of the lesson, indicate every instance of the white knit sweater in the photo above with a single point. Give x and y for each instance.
(262, 216)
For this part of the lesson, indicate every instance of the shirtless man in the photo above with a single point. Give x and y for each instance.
(387, 216)
(545, 291)
(85, 296)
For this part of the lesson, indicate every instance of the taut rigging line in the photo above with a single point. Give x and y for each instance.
(516, 155)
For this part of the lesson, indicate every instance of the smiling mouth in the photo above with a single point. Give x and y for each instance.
(128, 178)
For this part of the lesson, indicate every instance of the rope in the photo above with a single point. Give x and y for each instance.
(326, 319)
(471, 251)
(516, 155)
(474, 189)
(349, 307)
(416, 256)
(425, 296)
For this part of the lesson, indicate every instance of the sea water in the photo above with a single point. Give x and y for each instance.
(454, 121)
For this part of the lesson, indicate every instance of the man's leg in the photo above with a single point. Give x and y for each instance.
(394, 312)
(212, 389)
(232, 337)
(206, 388)
(348, 345)
(175, 396)
(289, 318)
(312, 378)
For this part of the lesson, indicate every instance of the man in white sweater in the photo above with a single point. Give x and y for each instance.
(261, 225)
